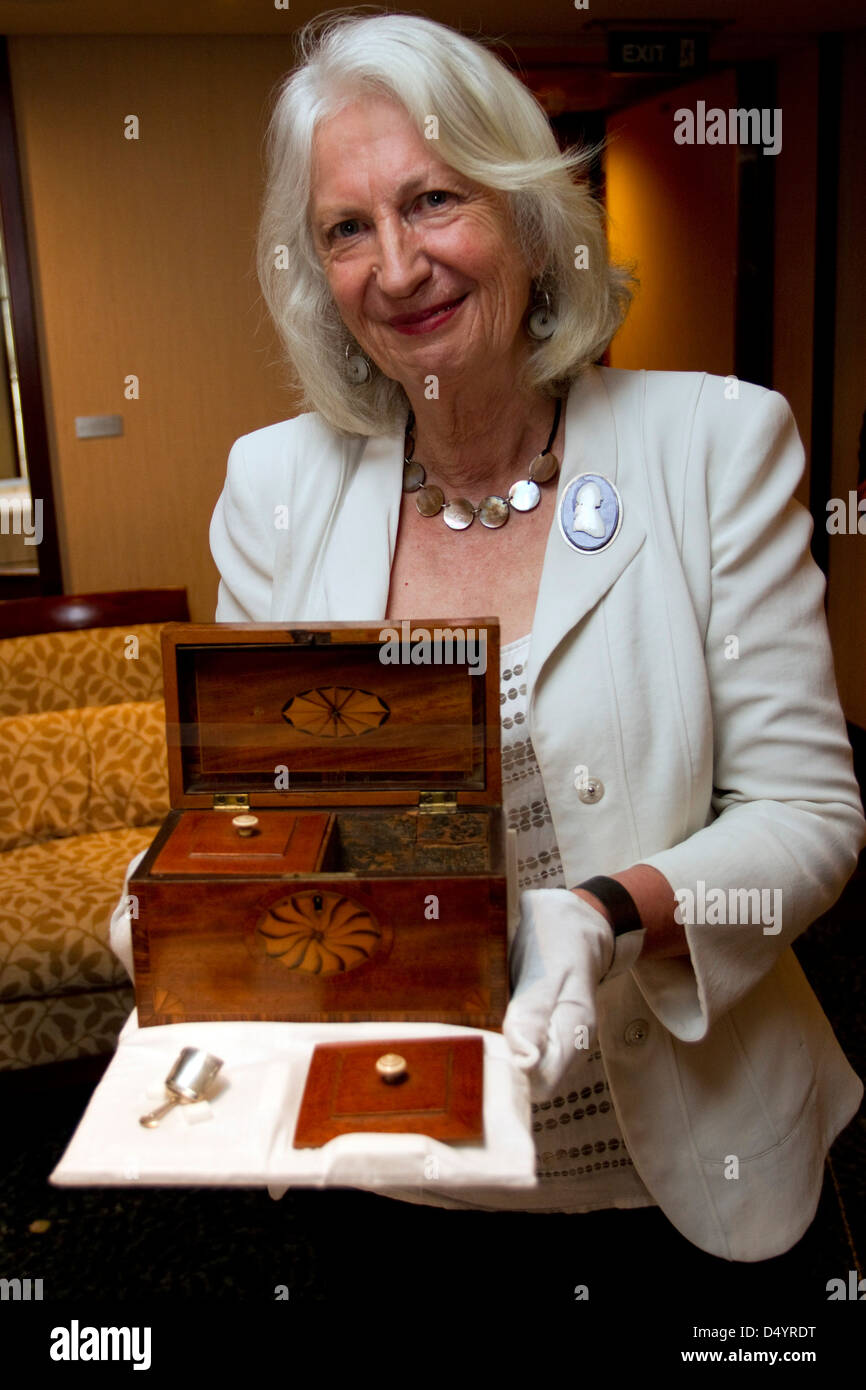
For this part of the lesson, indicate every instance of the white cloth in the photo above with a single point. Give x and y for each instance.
(688, 667)
(255, 1104)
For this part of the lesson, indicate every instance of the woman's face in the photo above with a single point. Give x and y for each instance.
(421, 261)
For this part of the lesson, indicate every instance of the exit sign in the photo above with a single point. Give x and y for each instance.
(642, 50)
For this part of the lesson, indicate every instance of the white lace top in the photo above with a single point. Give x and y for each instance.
(582, 1162)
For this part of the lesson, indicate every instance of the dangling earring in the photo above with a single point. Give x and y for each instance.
(357, 366)
(542, 322)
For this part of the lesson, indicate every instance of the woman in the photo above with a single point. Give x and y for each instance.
(673, 739)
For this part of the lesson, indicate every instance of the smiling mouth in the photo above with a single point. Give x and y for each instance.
(408, 320)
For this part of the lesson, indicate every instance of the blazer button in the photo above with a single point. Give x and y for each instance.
(636, 1032)
(589, 789)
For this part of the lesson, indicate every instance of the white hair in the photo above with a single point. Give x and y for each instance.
(492, 130)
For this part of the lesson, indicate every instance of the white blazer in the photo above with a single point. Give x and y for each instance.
(688, 667)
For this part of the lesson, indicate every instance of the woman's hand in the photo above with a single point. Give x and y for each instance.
(562, 949)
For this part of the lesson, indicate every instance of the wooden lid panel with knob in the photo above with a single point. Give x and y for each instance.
(439, 1091)
(280, 842)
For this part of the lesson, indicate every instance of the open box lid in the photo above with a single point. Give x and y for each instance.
(340, 714)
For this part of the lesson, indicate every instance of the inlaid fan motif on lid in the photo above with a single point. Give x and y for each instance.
(335, 711)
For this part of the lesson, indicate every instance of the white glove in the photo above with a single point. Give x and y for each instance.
(562, 950)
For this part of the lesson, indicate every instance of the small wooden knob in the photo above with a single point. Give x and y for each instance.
(391, 1067)
(245, 825)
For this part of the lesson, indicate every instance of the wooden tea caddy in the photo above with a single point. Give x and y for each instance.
(373, 883)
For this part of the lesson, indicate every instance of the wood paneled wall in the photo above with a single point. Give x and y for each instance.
(144, 265)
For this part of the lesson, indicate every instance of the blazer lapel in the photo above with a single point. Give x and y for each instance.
(573, 582)
(364, 533)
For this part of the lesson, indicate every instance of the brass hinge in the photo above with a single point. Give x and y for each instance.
(231, 801)
(432, 803)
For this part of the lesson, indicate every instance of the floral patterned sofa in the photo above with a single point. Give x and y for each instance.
(83, 787)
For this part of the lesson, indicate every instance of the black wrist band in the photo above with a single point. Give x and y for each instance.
(618, 901)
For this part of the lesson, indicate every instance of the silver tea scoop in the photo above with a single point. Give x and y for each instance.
(188, 1081)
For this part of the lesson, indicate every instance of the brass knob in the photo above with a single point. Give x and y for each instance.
(245, 825)
(391, 1067)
